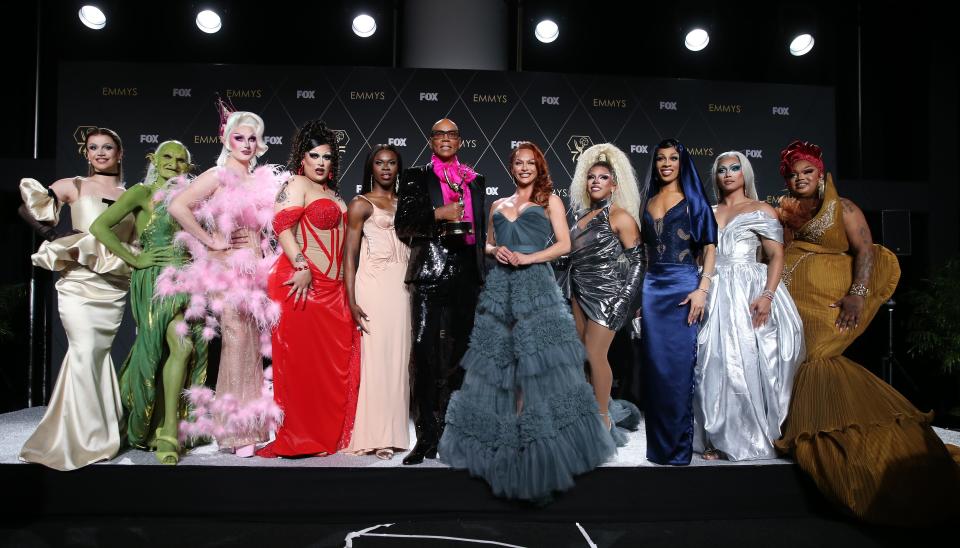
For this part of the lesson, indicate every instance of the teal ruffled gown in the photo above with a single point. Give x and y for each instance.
(525, 419)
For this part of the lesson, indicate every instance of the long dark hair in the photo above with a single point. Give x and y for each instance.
(116, 140)
(368, 164)
(313, 134)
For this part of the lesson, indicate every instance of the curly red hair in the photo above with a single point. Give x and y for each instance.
(543, 186)
(800, 150)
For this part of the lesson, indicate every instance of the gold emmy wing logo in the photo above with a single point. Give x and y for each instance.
(80, 137)
(342, 139)
(577, 144)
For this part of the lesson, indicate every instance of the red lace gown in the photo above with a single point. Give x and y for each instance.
(316, 352)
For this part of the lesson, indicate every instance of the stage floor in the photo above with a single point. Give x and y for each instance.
(348, 489)
(17, 426)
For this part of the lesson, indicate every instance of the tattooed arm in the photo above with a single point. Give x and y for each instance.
(292, 194)
(861, 247)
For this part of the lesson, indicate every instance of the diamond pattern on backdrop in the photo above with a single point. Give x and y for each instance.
(562, 113)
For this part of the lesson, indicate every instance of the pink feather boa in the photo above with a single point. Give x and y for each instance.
(223, 416)
(241, 279)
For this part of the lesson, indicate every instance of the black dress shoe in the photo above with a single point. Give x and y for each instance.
(421, 450)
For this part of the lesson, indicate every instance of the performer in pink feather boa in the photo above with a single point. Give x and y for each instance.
(226, 214)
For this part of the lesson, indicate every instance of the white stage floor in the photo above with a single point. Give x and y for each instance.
(17, 426)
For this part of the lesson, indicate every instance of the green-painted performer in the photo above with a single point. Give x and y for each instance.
(164, 359)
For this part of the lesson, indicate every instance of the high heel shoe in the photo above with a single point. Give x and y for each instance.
(168, 457)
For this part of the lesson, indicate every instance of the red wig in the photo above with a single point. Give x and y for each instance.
(800, 150)
(543, 186)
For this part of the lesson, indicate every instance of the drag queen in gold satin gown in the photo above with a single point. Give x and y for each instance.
(82, 422)
(867, 448)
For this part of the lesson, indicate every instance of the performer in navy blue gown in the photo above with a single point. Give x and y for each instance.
(679, 231)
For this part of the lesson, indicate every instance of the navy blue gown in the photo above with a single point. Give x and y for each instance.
(668, 344)
(525, 419)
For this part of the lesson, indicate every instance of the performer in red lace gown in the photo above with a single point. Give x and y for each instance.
(316, 356)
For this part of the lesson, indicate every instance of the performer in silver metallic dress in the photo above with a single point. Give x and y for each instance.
(605, 258)
(751, 342)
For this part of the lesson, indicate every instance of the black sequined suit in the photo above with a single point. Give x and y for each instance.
(445, 278)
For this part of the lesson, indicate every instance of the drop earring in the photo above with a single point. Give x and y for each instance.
(820, 186)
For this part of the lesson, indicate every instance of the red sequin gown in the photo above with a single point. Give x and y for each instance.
(316, 352)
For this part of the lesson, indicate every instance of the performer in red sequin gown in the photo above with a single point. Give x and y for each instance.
(316, 357)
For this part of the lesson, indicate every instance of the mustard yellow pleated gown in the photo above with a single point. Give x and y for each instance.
(866, 447)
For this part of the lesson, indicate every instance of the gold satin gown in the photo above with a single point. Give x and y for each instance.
(866, 447)
(82, 422)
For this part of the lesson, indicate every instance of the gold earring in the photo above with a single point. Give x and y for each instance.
(820, 187)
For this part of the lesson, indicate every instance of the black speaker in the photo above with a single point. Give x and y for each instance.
(896, 231)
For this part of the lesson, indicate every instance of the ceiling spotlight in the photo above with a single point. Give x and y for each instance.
(547, 31)
(696, 40)
(364, 25)
(92, 17)
(209, 22)
(801, 45)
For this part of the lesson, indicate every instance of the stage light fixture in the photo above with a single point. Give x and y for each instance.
(696, 40)
(209, 22)
(801, 45)
(92, 17)
(364, 26)
(547, 31)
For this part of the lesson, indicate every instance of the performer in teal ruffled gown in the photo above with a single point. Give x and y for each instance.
(525, 420)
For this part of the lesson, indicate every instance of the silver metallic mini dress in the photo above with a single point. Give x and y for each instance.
(602, 276)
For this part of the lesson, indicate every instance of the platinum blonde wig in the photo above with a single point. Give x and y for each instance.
(749, 184)
(627, 193)
(237, 119)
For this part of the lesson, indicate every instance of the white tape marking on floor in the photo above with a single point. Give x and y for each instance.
(364, 533)
(348, 540)
(583, 532)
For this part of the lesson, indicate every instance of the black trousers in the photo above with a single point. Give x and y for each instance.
(442, 322)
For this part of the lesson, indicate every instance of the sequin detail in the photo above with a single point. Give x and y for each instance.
(814, 230)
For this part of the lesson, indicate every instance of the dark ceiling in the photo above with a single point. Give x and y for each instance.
(748, 43)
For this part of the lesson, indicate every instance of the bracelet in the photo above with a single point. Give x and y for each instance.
(768, 294)
(706, 291)
(301, 268)
(859, 290)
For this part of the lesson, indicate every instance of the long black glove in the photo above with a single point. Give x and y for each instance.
(45, 230)
(620, 306)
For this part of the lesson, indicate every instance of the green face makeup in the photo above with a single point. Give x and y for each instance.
(171, 160)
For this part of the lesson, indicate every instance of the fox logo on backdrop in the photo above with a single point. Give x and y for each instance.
(156, 102)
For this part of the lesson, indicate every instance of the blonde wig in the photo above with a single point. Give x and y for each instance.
(237, 119)
(626, 194)
(749, 183)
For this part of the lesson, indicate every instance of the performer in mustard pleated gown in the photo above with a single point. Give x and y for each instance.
(866, 447)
